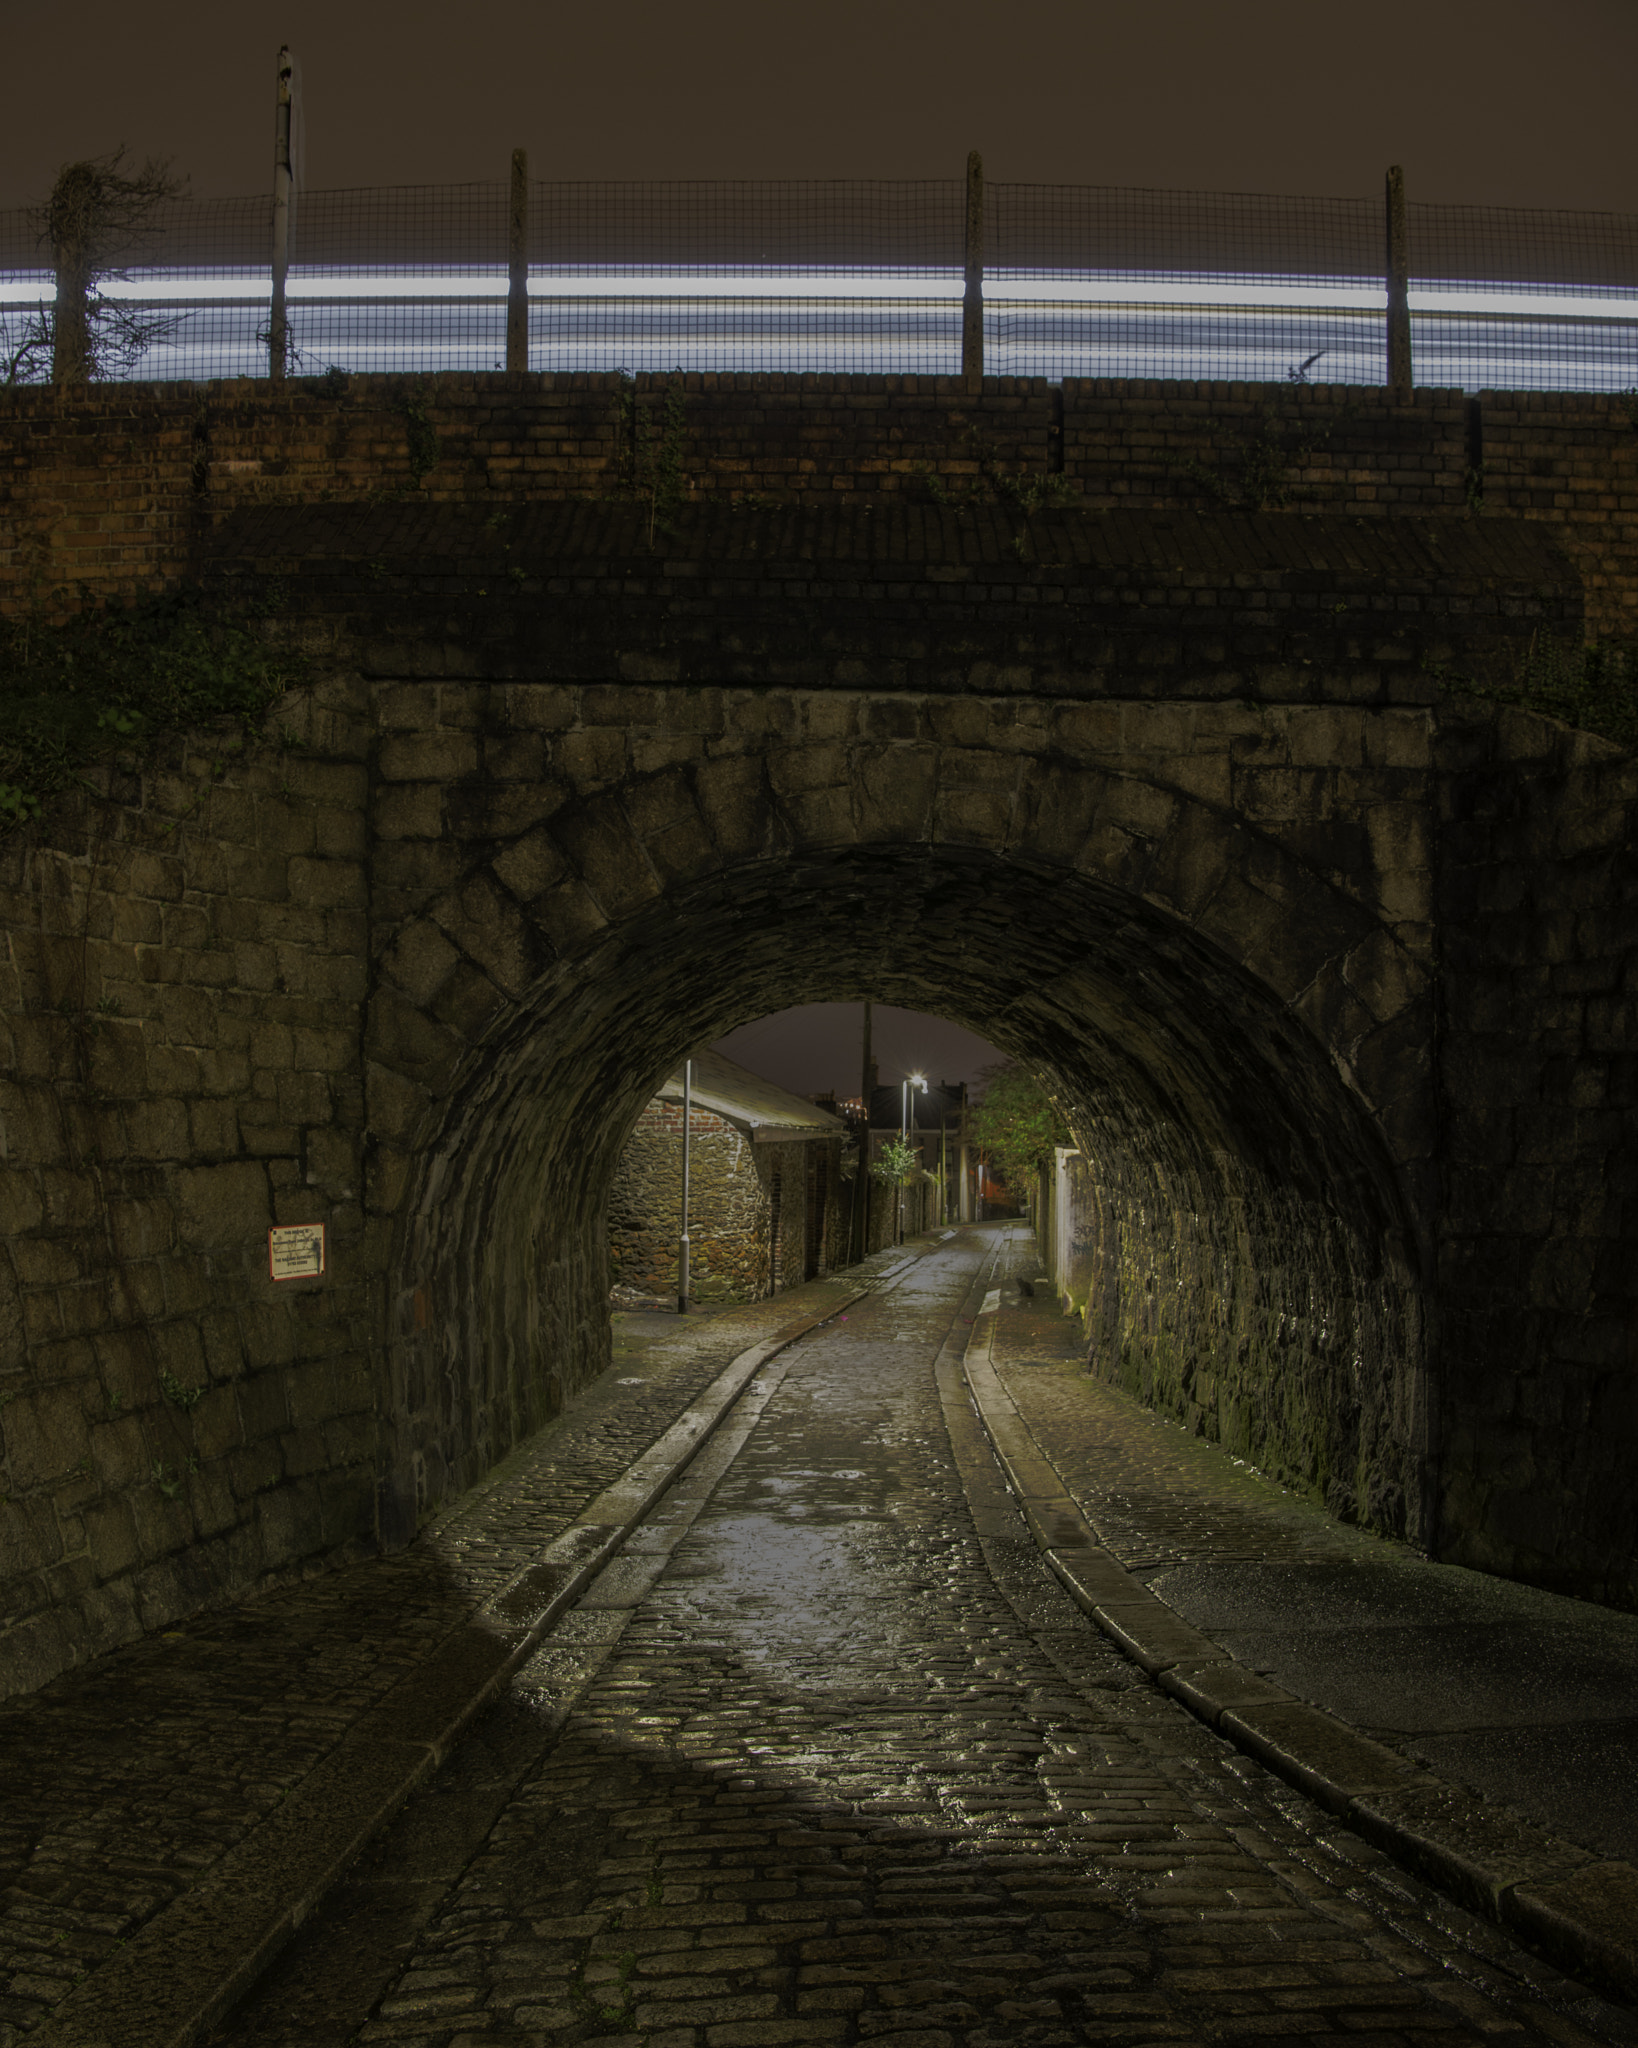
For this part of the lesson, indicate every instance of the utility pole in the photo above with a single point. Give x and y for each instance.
(910, 1137)
(1399, 330)
(972, 301)
(904, 1139)
(517, 266)
(682, 1243)
(286, 154)
(861, 1183)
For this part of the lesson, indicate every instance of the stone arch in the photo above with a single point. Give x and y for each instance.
(1233, 1009)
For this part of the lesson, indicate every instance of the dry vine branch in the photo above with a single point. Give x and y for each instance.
(96, 218)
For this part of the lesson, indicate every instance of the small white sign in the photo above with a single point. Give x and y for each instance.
(295, 1251)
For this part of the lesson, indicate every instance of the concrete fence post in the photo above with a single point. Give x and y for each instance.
(278, 324)
(972, 303)
(517, 266)
(1399, 331)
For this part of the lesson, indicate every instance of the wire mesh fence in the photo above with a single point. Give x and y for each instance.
(851, 275)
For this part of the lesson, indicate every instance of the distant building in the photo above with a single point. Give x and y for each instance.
(766, 1207)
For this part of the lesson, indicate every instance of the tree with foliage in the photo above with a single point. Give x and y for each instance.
(1016, 1122)
(98, 215)
(896, 1163)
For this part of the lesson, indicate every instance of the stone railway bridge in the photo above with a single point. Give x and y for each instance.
(1331, 964)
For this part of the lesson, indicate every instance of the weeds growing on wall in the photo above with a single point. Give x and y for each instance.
(109, 682)
(1022, 489)
(421, 436)
(652, 450)
(1256, 476)
(1592, 687)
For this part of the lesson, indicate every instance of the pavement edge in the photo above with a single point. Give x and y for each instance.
(1578, 1908)
(183, 1971)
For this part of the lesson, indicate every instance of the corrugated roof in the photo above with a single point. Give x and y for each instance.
(745, 1098)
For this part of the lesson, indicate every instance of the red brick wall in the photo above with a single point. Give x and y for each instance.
(117, 489)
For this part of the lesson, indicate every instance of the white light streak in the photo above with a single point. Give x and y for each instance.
(653, 287)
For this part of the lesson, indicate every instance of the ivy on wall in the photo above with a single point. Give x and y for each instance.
(105, 683)
(1592, 687)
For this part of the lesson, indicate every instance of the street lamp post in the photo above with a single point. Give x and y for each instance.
(907, 1126)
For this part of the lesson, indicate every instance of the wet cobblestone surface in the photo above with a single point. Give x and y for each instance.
(1523, 1696)
(1155, 1494)
(830, 1758)
(122, 1784)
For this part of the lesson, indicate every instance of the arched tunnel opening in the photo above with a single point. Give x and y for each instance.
(1254, 1266)
(805, 1142)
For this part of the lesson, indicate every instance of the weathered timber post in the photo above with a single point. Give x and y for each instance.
(972, 302)
(517, 273)
(278, 324)
(71, 220)
(1399, 332)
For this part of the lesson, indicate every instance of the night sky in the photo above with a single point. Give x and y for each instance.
(1480, 100)
(818, 1046)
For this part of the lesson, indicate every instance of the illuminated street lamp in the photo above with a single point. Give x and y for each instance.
(907, 1127)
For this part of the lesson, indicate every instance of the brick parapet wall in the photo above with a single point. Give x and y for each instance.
(1159, 605)
(118, 489)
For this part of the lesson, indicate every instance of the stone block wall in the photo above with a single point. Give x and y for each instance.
(118, 488)
(833, 1225)
(1187, 1262)
(789, 1246)
(1533, 855)
(883, 1217)
(1538, 1065)
(181, 972)
(1299, 965)
(728, 1199)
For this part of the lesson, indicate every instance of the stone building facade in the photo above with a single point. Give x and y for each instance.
(766, 1208)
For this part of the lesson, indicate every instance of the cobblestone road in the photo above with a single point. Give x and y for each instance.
(827, 1757)
(122, 1784)
(1524, 1696)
